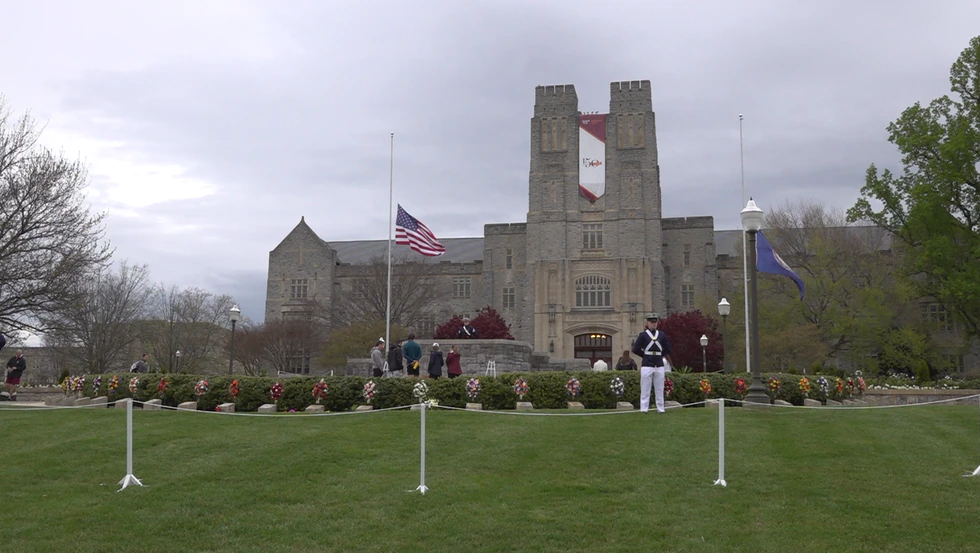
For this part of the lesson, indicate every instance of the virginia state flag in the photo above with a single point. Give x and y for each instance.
(768, 261)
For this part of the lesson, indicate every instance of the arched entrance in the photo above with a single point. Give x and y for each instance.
(594, 346)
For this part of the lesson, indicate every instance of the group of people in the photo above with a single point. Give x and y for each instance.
(409, 357)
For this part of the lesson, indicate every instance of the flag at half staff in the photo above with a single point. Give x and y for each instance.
(410, 232)
(768, 261)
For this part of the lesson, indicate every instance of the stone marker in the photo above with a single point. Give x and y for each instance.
(67, 400)
(624, 406)
(575, 405)
(667, 404)
(832, 403)
(152, 405)
(52, 401)
(364, 407)
(782, 402)
(267, 408)
(812, 403)
(524, 406)
(227, 407)
(474, 406)
(711, 404)
(315, 409)
(101, 401)
(83, 401)
(188, 406)
(849, 402)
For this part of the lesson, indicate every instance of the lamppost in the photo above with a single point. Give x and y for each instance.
(233, 315)
(724, 308)
(704, 353)
(752, 222)
(178, 360)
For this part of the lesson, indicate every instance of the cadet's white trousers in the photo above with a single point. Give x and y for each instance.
(654, 376)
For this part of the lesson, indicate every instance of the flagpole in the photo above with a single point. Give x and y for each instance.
(391, 188)
(745, 263)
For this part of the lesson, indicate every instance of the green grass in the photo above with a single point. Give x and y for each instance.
(833, 480)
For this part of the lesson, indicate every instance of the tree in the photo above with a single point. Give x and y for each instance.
(412, 291)
(250, 348)
(290, 344)
(356, 341)
(489, 325)
(933, 206)
(49, 240)
(98, 326)
(684, 331)
(193, 321)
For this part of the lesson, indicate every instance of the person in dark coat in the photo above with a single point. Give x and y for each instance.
(435, 362)
(453, 368)
(15, 368)
(395, 363)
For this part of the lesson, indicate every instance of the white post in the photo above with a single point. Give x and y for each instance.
(391, 194)
(745, 266)
(129, 478)
(721, 443)
(976, 471)
(422, 487)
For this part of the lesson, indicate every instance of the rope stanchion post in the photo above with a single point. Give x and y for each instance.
(129, 478)
(976, 471)
(721, 444)
(422, 488)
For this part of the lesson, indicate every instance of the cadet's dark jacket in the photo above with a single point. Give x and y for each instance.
(435, 363)
(395, 358)
(655, 356)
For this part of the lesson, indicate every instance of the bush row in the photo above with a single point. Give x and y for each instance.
(546, 390)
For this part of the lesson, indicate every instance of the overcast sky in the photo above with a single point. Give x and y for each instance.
(211, 126)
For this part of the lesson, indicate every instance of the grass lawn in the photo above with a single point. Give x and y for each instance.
(798, 480)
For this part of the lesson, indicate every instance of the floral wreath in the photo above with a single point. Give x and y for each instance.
(473, 388)
(369, 390)
(201, 387)
(705, 386)
(275, 391)
(113, 384)
(741, 386)
(805, 386)
(320, 390)
(823, 384)
(133, 383)
(162, 386)
(774, 384)
(233, 389)
(850, 385)
(617, 387)
(96, 384)
(420, 390)
(573, 387)
(839, 386)
(861, 384)
(521, 388)
(668, 387)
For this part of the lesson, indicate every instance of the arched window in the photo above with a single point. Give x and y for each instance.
(593, 291)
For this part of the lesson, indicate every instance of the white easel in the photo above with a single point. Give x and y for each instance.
(491, 368)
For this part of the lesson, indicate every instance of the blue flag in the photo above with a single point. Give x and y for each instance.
(768, 261)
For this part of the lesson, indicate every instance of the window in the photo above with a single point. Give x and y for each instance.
(510, 259)
(300, 364)
(629, 127)
(508, 298)
(936, 314)
(554, 134)
(593, 291)
(425, 327)
(299, 288)
(297, 316)
(461, 287)
(687, 295)
(687, 255)
(592, 236)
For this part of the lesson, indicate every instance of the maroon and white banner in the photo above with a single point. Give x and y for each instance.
(592, 152)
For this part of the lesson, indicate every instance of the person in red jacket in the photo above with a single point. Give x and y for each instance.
(452, 362)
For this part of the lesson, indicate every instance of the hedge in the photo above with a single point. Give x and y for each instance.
(547, 390)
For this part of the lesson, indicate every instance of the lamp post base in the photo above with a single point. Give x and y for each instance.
(757, 397)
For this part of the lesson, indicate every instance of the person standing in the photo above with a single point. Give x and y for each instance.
(626, 362)
(15, 368)
(378, 359)
(139, 366)
(453, 368)
(435, 362)
(413, 355)
(654, 347)
(395, 364)
(466, 331)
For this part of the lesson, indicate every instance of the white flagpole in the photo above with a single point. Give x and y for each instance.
(391, 188)
(745, 263)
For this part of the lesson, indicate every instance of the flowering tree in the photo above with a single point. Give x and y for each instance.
(489, 325)
(684, 331)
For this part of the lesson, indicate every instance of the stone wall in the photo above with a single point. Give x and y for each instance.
(908, 397)
(509, 356)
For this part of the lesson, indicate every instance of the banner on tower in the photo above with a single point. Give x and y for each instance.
(592, 151)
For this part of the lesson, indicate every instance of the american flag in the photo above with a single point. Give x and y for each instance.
(412, 233)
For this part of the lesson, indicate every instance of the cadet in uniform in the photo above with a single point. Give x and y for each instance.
(653, 347)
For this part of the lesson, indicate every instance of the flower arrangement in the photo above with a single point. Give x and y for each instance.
(369, 390)
(65, 384)
(113, 384)
(823, 384)
(668, 387)
(473, 388)
(162, 386)
(705, 386)
(73, 384)
(96, 384)
(839, 386)
(804, 386)
(218, 408)
(201, 387)
(133, 383)
(521, 388)
(573, 387)
(320, 390)
(617, 387)
(850, 385)
(862, 385)
(420, 391)
(275, 391)
(774, 384)
(233, 389)
(741, 386)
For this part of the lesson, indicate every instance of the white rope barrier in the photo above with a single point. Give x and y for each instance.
(859, 407)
